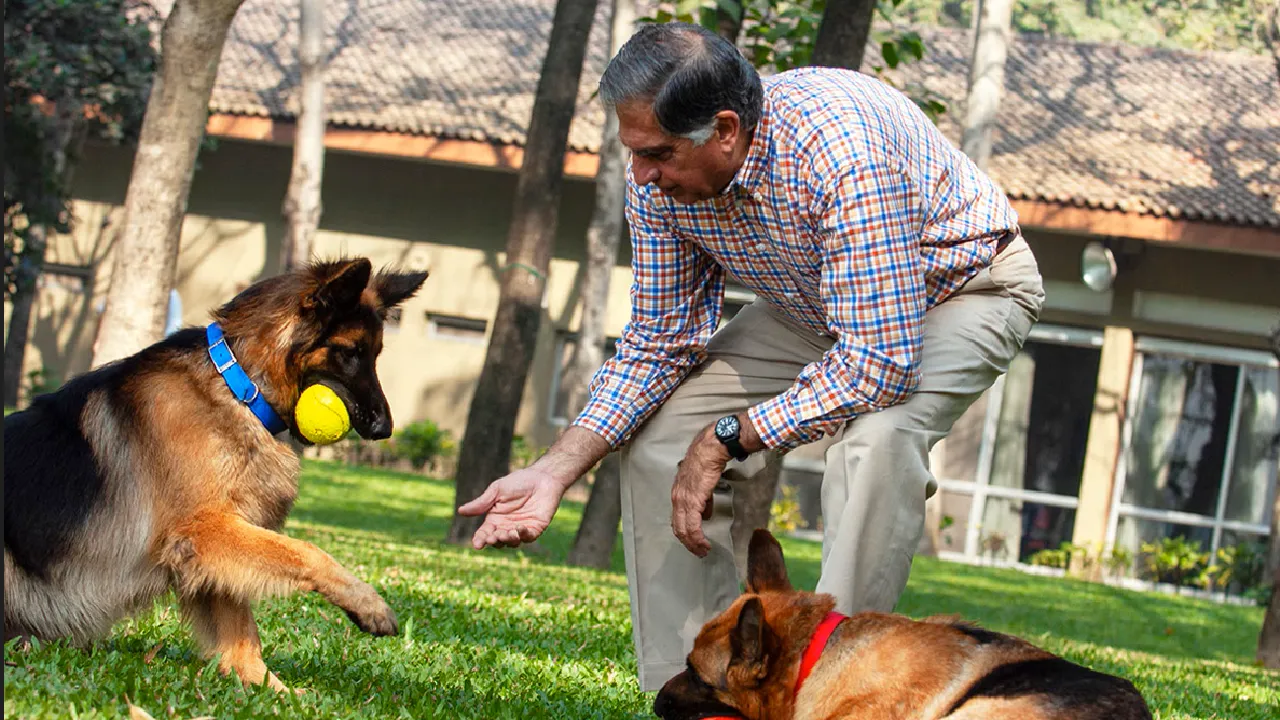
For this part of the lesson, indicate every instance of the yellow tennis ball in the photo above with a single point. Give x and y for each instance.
(321, 415)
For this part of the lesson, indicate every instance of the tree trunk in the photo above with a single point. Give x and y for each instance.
(146, 256)
(986, 77)
(727, 26)
(69, 130)
(598, 530)
(1269, 638)
(30, 265)
(842, 36)
(752, 507)
(486, 445)
(1271, 33)
(302, 202)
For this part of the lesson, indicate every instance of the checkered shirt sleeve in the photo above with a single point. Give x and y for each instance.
(874, 297)
(676, 297)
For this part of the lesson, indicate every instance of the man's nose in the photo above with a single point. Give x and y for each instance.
(644, 173)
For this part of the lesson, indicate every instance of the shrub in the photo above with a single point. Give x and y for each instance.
(523, 453)
(1174, 560)
(1240, 567)
(1119, 562)
(784, 514)
(1051, 558)
(421, 442)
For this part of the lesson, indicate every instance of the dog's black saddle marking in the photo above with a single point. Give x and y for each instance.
(52, 481)
(1088, 694)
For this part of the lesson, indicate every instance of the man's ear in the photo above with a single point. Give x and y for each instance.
(727, 129)
(751, 642)
(338, 285)
(394, 288)
(766, 568)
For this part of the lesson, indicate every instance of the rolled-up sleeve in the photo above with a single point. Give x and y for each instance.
(676, 296)
(872, 285)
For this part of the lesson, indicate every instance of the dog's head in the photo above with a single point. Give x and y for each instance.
(744, 661)
(321, 323)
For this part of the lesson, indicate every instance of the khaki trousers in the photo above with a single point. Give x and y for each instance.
(877, 470)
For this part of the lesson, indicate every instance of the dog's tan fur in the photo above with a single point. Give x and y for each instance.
(193, 490)
(745, 662)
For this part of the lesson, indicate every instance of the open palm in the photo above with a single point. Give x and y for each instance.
(519, 508)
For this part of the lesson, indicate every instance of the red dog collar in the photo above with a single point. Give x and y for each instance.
(817, 644)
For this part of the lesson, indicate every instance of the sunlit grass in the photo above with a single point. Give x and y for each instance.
(506, 634)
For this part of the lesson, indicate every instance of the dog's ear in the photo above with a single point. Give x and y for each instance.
(394, 288)
(751, 643)
(766, 569)
(338, 285)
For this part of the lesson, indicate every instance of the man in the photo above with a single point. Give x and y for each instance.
(893, 289)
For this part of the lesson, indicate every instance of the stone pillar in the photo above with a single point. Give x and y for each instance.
(1105, 443)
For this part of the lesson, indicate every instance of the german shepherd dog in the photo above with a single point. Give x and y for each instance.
(149, 473)
(766, 658)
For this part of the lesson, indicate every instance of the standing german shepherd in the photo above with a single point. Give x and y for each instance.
(752, 661)
(149, 473)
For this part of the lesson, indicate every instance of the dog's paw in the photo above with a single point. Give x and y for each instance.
(372, 614)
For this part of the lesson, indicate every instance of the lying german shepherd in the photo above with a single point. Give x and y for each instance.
(149, 473)
(777, 653)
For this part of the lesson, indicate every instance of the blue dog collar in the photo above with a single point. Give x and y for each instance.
(238, 380)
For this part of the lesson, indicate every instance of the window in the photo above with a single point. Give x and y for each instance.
(1200, 459)
(74, 279)
(459, 329)
(1009, 471)
(566, 346)
(391, 324)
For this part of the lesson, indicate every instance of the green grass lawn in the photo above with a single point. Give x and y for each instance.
(509, 634)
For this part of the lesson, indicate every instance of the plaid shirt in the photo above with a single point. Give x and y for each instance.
(851, 213)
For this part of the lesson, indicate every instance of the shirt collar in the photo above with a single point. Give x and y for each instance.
(750, 176)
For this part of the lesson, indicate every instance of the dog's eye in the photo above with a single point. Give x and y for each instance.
(346, 355)
(694, 676)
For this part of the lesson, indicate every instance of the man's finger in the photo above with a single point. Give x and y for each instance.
(482, 504)
(708, 507)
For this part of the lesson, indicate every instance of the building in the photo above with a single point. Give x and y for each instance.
(1139, 412)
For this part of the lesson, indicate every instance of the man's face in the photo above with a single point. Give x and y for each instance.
(682, 171)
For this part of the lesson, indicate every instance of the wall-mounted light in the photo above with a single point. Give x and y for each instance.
(1102, 260)
(1097, 266)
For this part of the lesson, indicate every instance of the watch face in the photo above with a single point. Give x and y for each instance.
(728, 427)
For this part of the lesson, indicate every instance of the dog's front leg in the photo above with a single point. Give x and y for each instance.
(224, 626)
(222, 553)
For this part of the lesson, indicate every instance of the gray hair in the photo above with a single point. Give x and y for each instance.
(688, 74)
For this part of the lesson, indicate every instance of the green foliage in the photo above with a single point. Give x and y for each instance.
(39, 383)
(1173, 560)
(95, 56)
(1064, 556)
(509, 634)
(1059, 558)
(784, 514)
(1187, 24)
(1118, 562)
(523, 453)
(421, 442)
(779, 35)
(1239, 567)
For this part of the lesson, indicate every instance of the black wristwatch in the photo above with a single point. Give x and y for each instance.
(729, 433)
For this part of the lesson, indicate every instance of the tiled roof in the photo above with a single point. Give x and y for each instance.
(1160, 132)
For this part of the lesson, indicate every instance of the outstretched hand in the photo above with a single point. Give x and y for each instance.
(519, 508)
